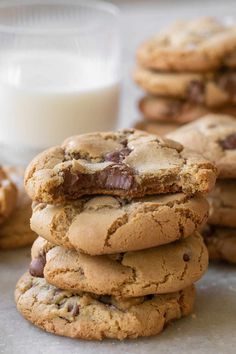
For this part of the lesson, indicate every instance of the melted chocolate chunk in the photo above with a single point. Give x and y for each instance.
(73, 308)
(117, 176)
(227, 82)
(229, 143)
(196, 91)
(118, 156)
(186, 257)
(37, 266)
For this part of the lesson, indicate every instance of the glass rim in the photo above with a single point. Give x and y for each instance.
(104, 6)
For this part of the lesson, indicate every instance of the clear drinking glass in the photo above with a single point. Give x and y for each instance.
(59, 73)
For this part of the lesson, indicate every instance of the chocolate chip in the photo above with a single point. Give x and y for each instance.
(195, 91)
(229, 143)
(227, 82)
(117, 176)
(37, 266)
(118, 156)
(73, 308)
(186, 257)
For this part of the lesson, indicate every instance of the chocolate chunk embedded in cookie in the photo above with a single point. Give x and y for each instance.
(84, 165)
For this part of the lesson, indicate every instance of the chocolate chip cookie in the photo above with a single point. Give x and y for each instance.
(106, 224)
(15, 232)
(128, 163)
(221, 243)
(130, 274)
(88, 316)
(214, 136)
(197, 45)
(175, 111)
(213, 89)
(8, 195)
(222, 202)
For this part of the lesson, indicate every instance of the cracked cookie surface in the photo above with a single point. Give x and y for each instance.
(198, 45)
(214, 136)
(223, 204)
(87, 316)
(128, 163)
(161, 270)
(8, 195)
(176, 111)
(106, 224)
(214, 89)
(15, 232)
(221, 243)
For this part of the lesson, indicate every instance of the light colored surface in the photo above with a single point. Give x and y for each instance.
(213, 328)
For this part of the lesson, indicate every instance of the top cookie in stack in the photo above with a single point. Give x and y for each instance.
(126, 164)
(127, 258)
(187, 71)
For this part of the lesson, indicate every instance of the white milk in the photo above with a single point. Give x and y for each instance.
(46, 97)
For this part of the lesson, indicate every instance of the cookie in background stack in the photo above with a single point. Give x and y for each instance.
(215, 137)
(15, 208)
(118, 254)
(187, 71)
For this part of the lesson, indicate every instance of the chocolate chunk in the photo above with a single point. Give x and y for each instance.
(186, 257)
(229, 143)
(195, 91)
(37, 266)
(117, 176)
(227, 82)
(118, 156)
(73, 308)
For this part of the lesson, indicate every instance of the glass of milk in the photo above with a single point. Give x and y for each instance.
(59, 73)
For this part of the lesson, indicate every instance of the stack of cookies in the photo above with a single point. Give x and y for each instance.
(187, 71)
(15, 210)
(119, 251)
(215, 137)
